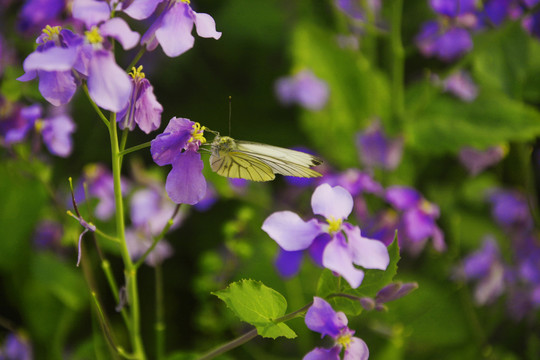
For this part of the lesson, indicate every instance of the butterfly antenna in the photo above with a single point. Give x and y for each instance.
(230, 112)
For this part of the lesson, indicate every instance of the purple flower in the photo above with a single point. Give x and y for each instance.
(172, 29)
(178, 146)
(16, 347)
(151, 210)
(461, 85)
(356, 182)
(52, 62)
(510, 209)
(448, 38)
(486, 267)
(16, 127)
(417, 222)
(304, 89)
(100, 184)
(139, 241)
(338, 244)
(38, 13)
(143, 107)
(48, 234)
(388, 293)
(321, 318)
(55, 130)
(475, 161)
(377, 150)
(353, 9)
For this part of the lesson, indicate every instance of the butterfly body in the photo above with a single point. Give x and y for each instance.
(259, 162)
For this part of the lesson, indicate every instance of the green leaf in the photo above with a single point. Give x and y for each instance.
(258, 305)
(501, 59)
(63, 281)
(358, 92)
(374, 280)
(445, 124)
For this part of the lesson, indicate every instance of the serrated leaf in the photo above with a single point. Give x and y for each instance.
(258, 305)
(445, 124)
(358, 92)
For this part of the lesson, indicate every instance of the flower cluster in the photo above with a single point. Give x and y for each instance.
(55, 130)
(494, 276)
(64, 59)
(449, 37)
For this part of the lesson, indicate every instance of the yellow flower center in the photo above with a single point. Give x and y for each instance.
(51, 31)
(344, 340)
(185, 1)
(38, 125)
(91, 171)
(197, 133)
(333, 224)
(93, 36)
(136, 73)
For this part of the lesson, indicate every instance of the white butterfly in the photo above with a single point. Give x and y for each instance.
(259, 162)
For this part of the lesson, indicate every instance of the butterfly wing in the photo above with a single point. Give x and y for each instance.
(282, 161)
(235, 164)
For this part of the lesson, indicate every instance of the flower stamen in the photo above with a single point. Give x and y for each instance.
(197, 133)
(344, 340)
(334, 224)
(93, 36)
(136, 73)
(51, 31)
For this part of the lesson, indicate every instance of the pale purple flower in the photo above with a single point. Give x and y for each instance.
(449, 37)
(151, 210)
(375, 149)
(55, 130)
(100, 184)
(16, 347)
(354, 10)
(461, 85)
(172, 29)
(178, 146)
(417, 221)
(139, 241)
(356, 182)
(304, 89)
(52, 62)
(321, 318)
(485, 266)
(48, 234)
(510, 209)
(476, 161)
(143, 108)
(342, 244)
(388, 293)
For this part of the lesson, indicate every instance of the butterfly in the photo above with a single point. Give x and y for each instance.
(258, 162)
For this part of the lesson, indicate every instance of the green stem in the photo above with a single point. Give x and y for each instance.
(135, 148)
(230, 345)
(160, 314)
(136, 58)
(250, 335)
(129, 270)
(369, 46)
(94, 105)
(398, 63)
